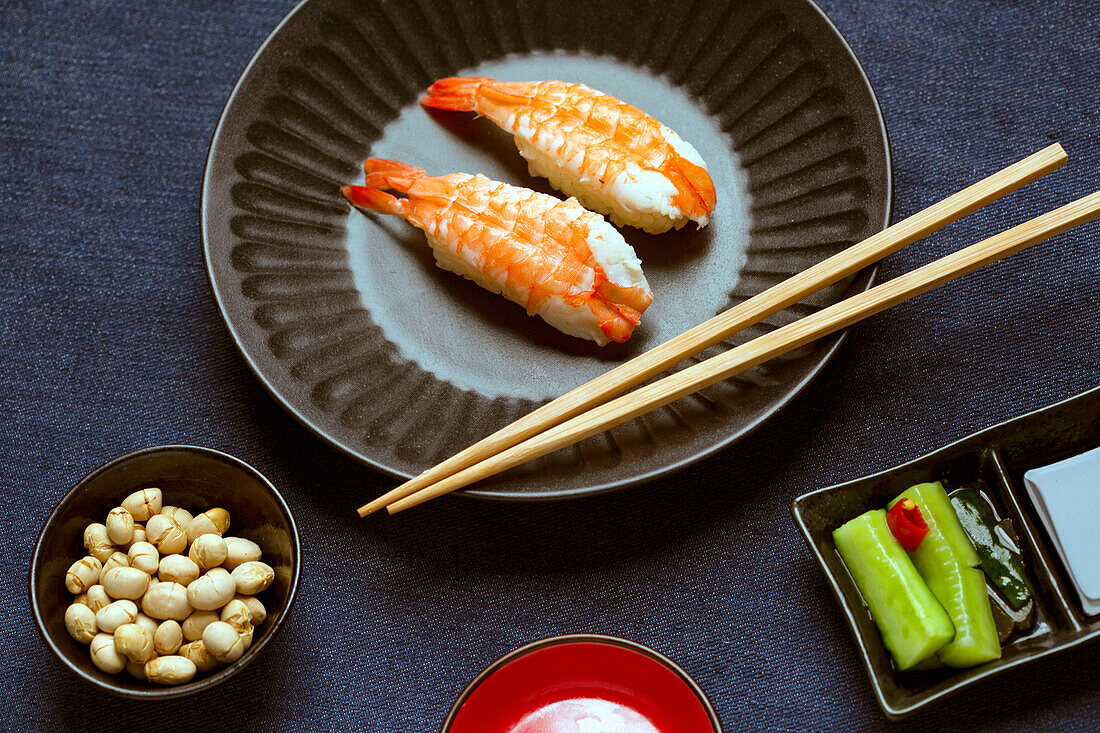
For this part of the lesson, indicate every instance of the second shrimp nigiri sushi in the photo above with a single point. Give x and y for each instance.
(553, 257)
(613, 157)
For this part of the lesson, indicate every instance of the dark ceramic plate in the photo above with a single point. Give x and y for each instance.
(994, 461)
(349, 324)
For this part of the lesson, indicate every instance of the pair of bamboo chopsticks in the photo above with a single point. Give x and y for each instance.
(589, 409)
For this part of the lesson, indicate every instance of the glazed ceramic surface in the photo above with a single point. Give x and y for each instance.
(347, 321)
(189, 477)
(992, 461)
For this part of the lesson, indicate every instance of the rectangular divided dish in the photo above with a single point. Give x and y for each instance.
(992, 461)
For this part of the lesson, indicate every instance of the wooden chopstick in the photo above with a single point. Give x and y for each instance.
(759, 350)
(737, 318)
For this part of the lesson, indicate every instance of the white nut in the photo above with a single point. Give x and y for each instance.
(143, 504)
(223, 641)
(83, 574)
(136, 670)
(237, 615)
(178, 569)
(139, 535)
(213, 590)
(144, 557)
(197, 622)
(239, 551)
(197, 652)
(104, 655)
(208, 551)
(214, 521)
(167, 536)
(166, 600)
(253, 577)
(134, 642)
(147, 622)
(116, 560)
(259, 613)
(113, 615)
(80, 623)
(96, 541)
(125, 582)
(97, 597)
(170, 670)
(168, 638)
(182, 517)
(120, 526)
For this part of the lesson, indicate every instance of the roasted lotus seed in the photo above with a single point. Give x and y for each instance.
(136, 670)
(80, 623)
(167, 536)
(214, 521)
(259, 613)
(197, 622)
(125, 582)
(147, 622)
(208, 551)
(168, 638)
(97, 597)
(223, 641)
(253, 577)
(166, 600)
(97, 542)
(144, 557)
(83, 574)
(237, 615)
(113, 615)
(180, 516)
(139, 536)
(104, 655)
(170, 670)
(239, 551)
(178, 569)
(116, 560)
(197, 652)
(143, 504)
(120, 526)
(134, 642)
(213, 590)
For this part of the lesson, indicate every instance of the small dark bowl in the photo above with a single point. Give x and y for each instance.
(190, 477)
(992, 461)
(625, 669)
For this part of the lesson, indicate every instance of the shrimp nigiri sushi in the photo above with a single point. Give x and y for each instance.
(553, 257)
(613, 157)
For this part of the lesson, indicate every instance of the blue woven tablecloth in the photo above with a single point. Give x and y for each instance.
(111, 341)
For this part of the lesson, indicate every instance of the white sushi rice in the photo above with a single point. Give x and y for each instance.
(613, 254)
(635, 197)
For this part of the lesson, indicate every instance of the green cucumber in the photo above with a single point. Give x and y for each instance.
(1000, 561)
(912, 623)
(948, 562)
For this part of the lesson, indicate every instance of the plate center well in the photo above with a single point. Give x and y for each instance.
(480, 341)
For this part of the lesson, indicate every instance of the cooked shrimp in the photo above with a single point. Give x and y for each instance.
(553, 257)
(613, 157)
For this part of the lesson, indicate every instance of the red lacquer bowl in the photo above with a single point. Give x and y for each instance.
(587, 682)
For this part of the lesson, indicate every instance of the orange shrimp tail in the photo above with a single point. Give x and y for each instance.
(382, 173)
(697, 186)
(458, 93)
(373, 199)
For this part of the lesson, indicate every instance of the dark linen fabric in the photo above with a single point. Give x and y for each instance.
(111, 341)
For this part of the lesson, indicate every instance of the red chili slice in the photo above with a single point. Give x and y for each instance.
(907, 524)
